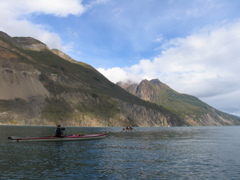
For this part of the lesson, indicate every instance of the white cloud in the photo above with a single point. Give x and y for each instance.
(115, 73)
(228, 102)
(56, 7)
(204, 64)
(159, 39)
(15, 17)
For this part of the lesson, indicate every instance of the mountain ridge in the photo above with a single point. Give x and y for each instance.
(40, 86)
(193, 110)
(71, 93)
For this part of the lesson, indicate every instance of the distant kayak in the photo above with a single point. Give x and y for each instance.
(64, 138)
(128, 129)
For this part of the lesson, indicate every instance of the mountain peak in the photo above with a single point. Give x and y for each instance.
(27, 43)
(156, 81)
(4, 35)
(39, 87)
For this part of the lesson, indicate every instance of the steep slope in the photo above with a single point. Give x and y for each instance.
(40, 86)
(193, 111)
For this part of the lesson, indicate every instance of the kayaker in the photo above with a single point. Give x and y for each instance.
(59, 131)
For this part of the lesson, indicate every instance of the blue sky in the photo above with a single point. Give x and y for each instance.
(191, 45)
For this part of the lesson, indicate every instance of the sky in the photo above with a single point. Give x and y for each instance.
(193, 46)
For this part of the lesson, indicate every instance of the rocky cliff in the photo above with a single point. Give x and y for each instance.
(39, 86)
(191, 109)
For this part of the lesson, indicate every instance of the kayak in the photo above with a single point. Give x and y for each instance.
(64, 138)
(128, 129)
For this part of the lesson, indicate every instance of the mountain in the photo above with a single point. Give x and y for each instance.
(39, 86)
(190, 108)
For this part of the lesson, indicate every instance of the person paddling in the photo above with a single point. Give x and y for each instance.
(59, 131)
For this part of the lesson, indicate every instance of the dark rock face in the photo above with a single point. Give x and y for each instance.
(44, 87)
(193, 111)
(39, 86)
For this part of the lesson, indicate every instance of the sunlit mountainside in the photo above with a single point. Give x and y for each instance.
(39, 86)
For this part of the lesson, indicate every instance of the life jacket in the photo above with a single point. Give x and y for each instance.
(58, 132)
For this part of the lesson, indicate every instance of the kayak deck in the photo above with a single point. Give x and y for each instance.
(64, 138)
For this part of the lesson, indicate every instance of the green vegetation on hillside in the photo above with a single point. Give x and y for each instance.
(77, 92)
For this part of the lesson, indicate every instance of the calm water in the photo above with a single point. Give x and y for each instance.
(144, 153)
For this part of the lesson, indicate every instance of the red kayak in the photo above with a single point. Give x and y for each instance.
(64, 138)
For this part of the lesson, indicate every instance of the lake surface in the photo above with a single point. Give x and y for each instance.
(143, 153)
